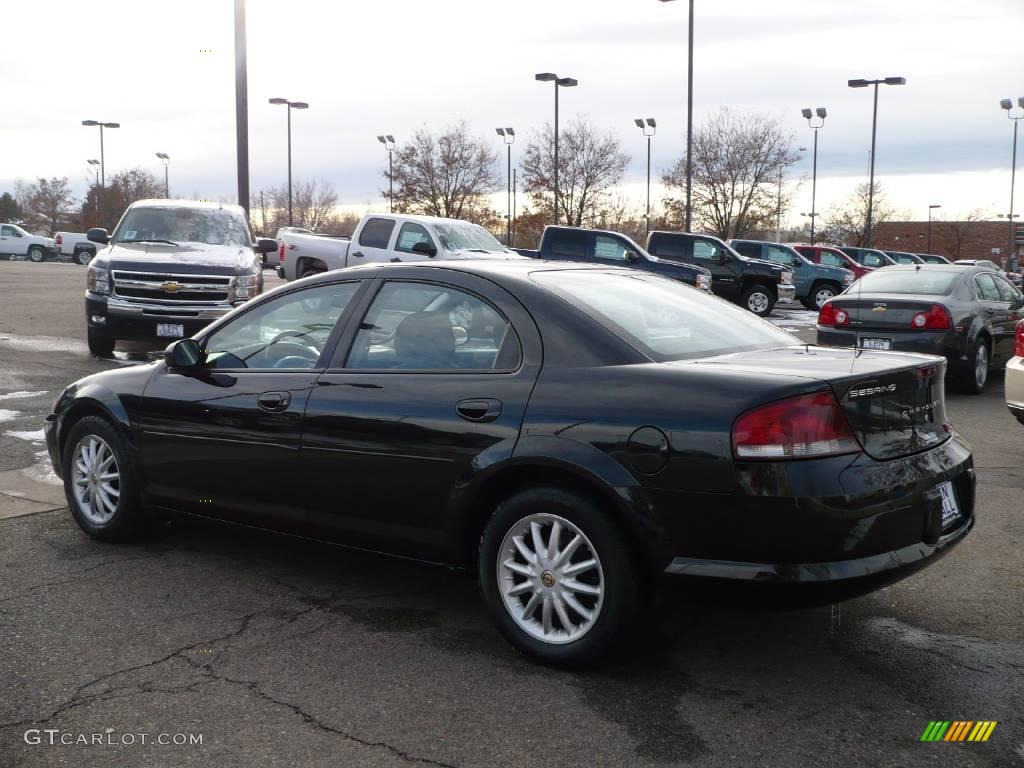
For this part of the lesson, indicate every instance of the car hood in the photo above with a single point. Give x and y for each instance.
(827, 269)
(685, 269)
(767, 266)
(183, 258)
(473, 253)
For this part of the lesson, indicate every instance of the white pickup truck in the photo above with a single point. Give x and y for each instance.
(386, 237)
(15, 242)
(76, 245)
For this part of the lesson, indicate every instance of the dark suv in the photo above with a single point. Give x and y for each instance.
(752, 283)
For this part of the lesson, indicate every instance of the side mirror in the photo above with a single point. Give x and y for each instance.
(266, 245)
(98, 235)
(632, 256)
(426, 248)
(184, 355)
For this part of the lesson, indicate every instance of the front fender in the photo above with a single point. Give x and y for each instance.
(83, 399)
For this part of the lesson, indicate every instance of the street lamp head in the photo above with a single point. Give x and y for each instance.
(568, 82)
(545, 77)
(510, 132)
(390, 138)
(821, 112)
(895, 81)
(934, 206)
(279, 101)
(382, 140)
(806, 112)
(298, 105)
(111, 125)
(163, 155)
(860, 83)
(1004, 103)
(500, 131)
(93, 162)
(639, 122)
(650, 122)
(96, 122)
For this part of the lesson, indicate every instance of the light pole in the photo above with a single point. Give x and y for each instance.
(509, 137)
(96, 167)
(643, 124)
(820, 112)
(102, 125)
(930, 209)
(389, 144)
(291, 105)
(167, 160)
(564, 82)
(689, 115)
(1008, 106)
(874, 126)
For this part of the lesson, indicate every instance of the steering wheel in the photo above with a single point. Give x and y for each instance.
(295, 335)
(310, 351)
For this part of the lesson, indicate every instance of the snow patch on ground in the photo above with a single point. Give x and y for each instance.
(42, 470)
(21, 394)
(35, 437)
(6, 415)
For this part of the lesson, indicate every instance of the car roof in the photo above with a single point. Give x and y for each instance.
(171, 203)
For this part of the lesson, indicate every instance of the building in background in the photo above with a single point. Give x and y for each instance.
(952, 239)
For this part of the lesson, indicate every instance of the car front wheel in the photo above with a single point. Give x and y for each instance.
(99, 482)
(758, 300)
(100, 344)
(556, 576)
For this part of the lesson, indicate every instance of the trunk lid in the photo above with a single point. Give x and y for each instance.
(895, 402)
(882, 311)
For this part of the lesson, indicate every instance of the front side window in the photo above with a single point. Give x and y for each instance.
(705, 250)
(376, 233)
(432, 327)
(869, 259)
(779, 256)
(832, 259)
(177, 225)
(610, 249)
(287, 332)
(410, 234)
(987, 290)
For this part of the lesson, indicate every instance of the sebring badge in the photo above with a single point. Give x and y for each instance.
(882, 389)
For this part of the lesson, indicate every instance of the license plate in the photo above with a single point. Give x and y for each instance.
(175, 330)
(950, 510)
(884, 344)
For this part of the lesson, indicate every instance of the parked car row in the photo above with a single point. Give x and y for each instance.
(16, 243)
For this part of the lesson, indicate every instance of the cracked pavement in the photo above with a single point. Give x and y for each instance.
(290, 653)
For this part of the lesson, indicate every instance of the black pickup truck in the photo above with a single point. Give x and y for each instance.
(597, 245)
(752, 283)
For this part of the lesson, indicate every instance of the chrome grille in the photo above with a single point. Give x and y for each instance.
(167, 288)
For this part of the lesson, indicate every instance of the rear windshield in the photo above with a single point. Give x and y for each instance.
(664, 319)
(933, 282)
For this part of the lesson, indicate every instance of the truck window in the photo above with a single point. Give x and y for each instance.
(609, 248)
(779, 256)
(831, 259)
(7, 232)
(376, 233)
(409, 235)
(750, 250)
(568, 243)
(668, 247)
(705, 250)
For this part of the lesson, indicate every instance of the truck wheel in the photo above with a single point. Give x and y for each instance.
(758, 300)
(822, 292)
(83, 256)
(311, 269)
(100, 344)
(36, 254)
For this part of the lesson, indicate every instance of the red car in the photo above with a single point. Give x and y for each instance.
(826, 254)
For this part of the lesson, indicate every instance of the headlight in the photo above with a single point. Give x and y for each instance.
(97, 280)
(245, 287)
(704, 282)
(787, 278)
(848, 278)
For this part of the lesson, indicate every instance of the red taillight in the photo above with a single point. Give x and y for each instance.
(59, 240)
(936, 318)
(805, 427)
(1018, 348)
(280, 252)
(830, 315)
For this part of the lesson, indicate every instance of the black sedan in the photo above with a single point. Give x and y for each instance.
(966, 314)
(573, 434)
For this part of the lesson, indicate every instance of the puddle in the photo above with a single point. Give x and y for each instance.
(21, 395)
(6, 415)
(42, 470)
(35, 437)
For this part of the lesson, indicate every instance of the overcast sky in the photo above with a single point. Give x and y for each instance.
(165, 71)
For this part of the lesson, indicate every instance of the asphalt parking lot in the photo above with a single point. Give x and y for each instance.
(281, 652)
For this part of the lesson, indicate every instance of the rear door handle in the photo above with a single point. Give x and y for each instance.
(274, 402)
(479, 409)
(395, 259)
(358, 254)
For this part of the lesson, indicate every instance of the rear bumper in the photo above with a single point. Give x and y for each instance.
(137, 321)
(947, 344)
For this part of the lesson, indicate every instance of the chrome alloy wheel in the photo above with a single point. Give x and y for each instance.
(981, 366)
(758, 303)
(550, 578)
(95, 479)
(822, 295)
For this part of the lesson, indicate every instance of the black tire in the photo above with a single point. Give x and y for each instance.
(617, 578)
(820, 293)
(36, 254)
(758, 299)
(311, 269)
(973, 375)
(100, 343)
(83, 256)
(127, 519)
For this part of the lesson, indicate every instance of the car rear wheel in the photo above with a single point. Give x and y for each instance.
(100, 343)
(974, 374)
(36, 254)
(83, 256)
(556, 576)
(99, 482)
(311, 269)
(758, 300)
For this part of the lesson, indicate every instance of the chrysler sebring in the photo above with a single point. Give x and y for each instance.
(572, 433)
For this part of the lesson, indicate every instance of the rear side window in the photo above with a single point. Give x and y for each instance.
(987, 290)
(668, 247)
(7, 231)
(750, 250)
(376, 233)
(568, 243)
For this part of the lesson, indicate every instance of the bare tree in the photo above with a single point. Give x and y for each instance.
(845, 223)
(313, 206)
(589, 164)
(447, 174)
(46, 203)
(737, 160)
(123, 189)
